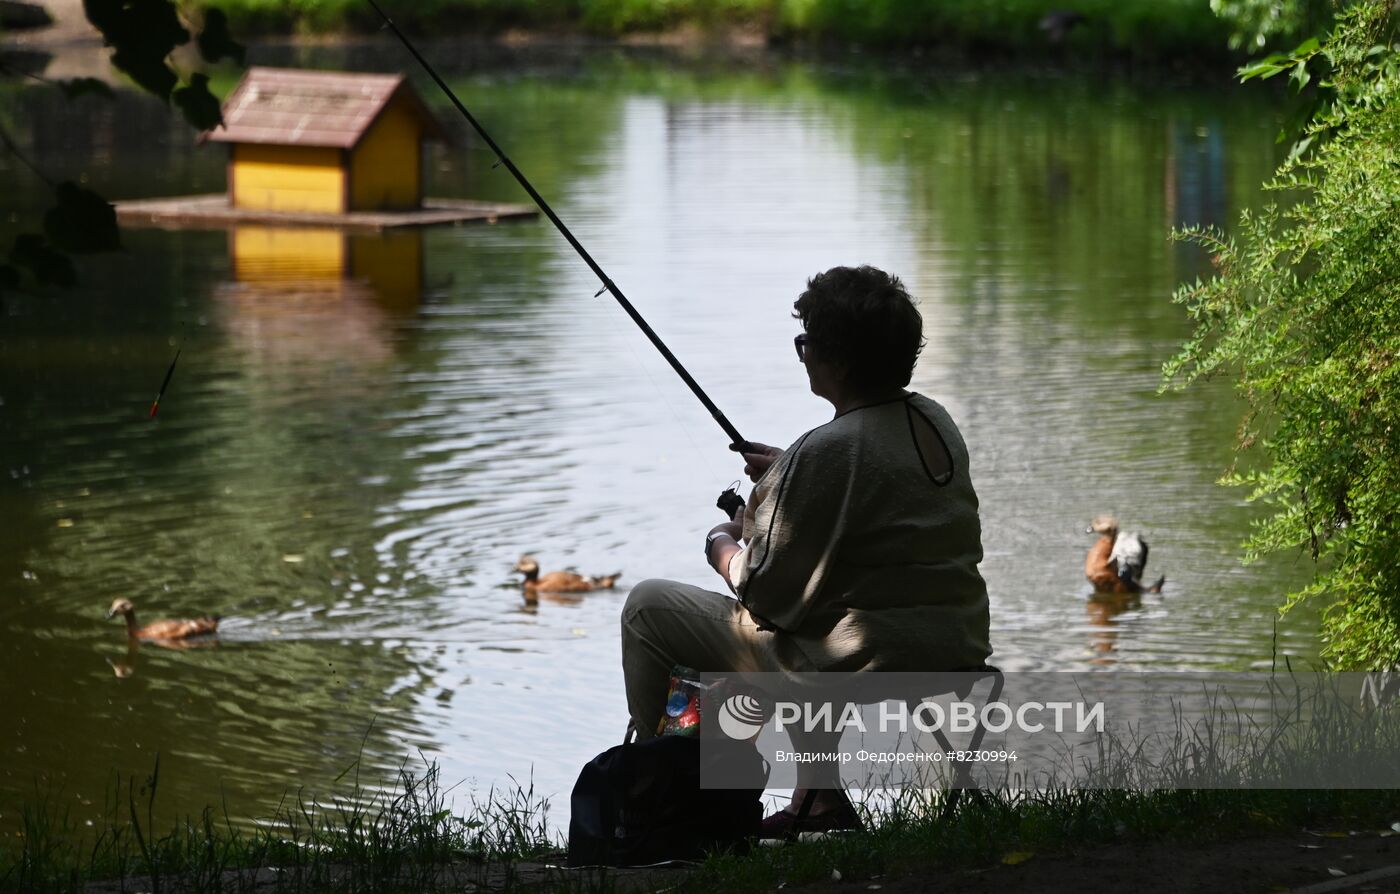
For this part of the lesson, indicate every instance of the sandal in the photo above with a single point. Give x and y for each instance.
(787, 825)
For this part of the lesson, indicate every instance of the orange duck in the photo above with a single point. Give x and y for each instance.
(1116, 560)
(559, 581)
(161, 630)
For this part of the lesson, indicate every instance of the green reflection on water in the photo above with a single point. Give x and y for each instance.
(338, 469)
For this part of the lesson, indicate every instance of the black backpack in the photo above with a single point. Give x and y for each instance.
(641, 803)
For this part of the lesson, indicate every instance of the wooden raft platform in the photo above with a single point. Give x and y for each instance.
(214, 212)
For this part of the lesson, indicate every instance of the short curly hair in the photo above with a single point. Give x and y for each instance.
(864, 319)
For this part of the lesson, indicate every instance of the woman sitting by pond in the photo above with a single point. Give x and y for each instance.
(858, 550)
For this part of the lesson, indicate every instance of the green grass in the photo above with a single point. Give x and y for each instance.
(908, 839)
(410, 841)
(1119, 27)
(598, 17)
(409, 837)
(1129, 28)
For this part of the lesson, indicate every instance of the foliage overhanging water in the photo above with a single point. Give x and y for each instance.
(347, 469)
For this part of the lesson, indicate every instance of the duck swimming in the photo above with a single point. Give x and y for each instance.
(559, 581)
(1116, 560)
(161, 630)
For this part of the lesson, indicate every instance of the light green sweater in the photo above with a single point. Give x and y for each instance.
(862, 546)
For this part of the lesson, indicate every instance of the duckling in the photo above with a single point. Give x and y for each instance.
(560, 581)
(1116, 561)
(161, 630)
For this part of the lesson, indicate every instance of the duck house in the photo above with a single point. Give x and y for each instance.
(325, 141)
(321, 147)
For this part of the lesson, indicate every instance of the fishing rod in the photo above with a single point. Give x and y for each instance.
(737, 441)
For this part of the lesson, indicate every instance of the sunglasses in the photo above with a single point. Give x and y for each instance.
(800, 343)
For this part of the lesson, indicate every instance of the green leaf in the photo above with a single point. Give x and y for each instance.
(1300, 147)
(215, 42)
(200, 107)
(1307, 47)
(1305, 311)
(1265, 68)
(75, 88)
(81, 221)
(39, 258)
(1299, 76)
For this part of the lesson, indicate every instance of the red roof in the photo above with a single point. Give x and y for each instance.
(295, 107)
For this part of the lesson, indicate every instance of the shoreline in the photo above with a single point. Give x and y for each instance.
(80, 52)
(1109, 45)
(1054, 842)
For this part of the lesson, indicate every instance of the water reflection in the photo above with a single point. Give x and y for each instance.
(365, 434)
(1195, 177)
(288, 259)
(1103, 610)
(125, 665)
(305, 295)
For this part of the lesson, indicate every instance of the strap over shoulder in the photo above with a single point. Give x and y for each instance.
(930, 444)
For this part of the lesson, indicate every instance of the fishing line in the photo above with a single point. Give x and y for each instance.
(736, 440)
(675, 414)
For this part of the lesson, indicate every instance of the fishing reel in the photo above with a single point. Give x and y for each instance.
(730, 502)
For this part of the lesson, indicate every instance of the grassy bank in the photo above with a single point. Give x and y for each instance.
(410, 840)
(406, 837)
(1129, 28)
(411, 837)
(996, 830)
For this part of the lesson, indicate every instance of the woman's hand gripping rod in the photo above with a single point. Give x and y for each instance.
(737, 441)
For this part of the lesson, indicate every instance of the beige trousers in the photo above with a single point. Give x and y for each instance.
(666, 623)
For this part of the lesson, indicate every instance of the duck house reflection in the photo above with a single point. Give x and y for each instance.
(324, 259)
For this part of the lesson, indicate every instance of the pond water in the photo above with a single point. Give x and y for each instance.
(362, 436)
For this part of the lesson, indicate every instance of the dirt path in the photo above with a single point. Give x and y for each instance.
(1335, 861)
(1288, 862)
